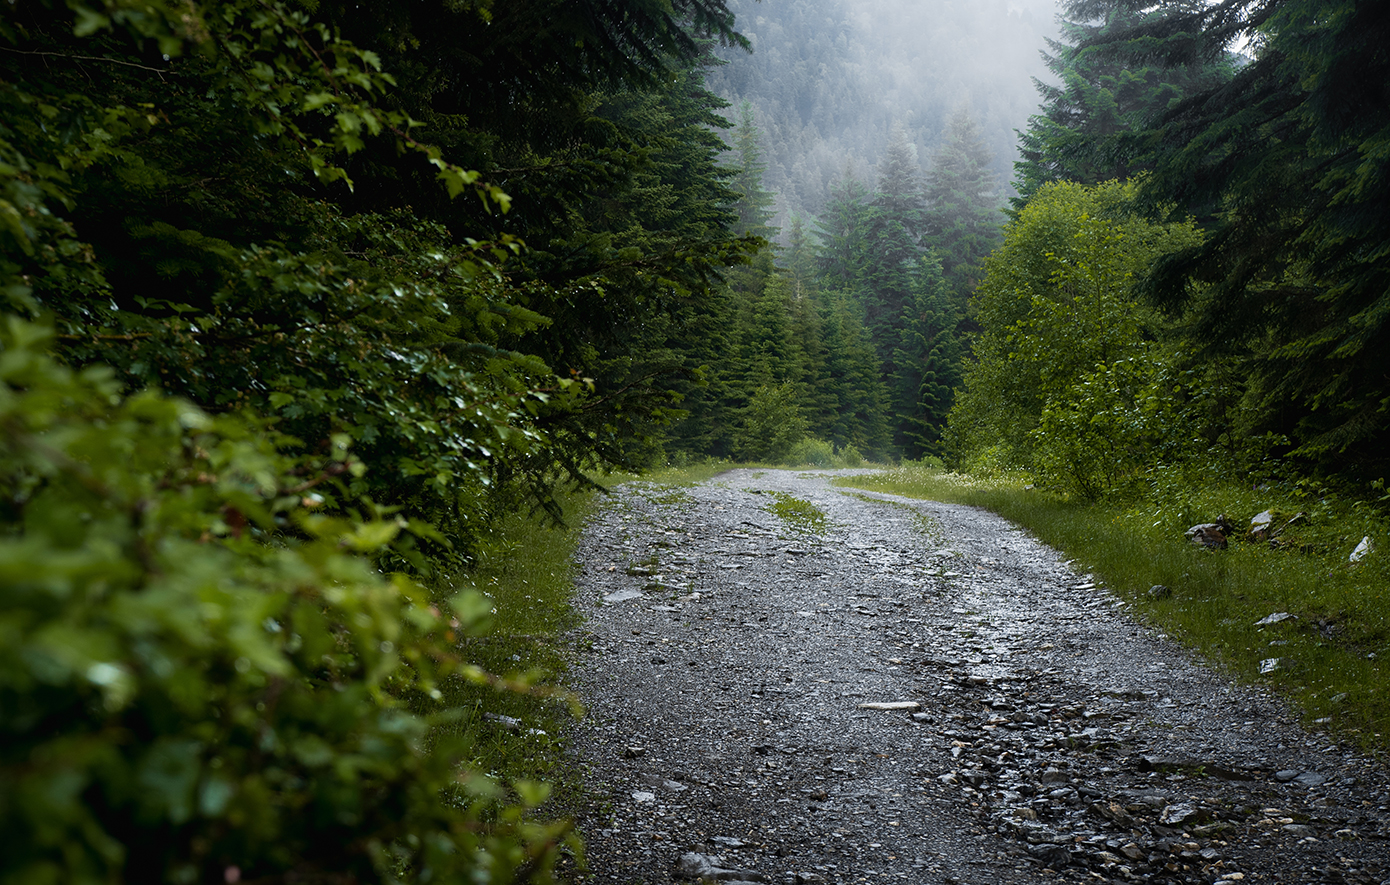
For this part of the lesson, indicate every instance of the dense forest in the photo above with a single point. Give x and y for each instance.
(830, 82)
(300, 298)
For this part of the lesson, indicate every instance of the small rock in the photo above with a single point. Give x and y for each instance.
(1260, 525)
(510, 723)
(1159, 591)
(1053, 776)
(1113, 812)
(634, 752)
(1050, 854)
(1211, 535)
(622, 596)
(921, 717)
(819, 795)
(1270, 665)
(1132, 851)
(642, 797)
(1276, 618)
(1300, 830)
(1364, 549)
(1310, 779)
(891, 705)
(708, 866)
(674, 786)
(809, 878)
(728, 841)
(1286, 775)
(973, 778)
(1182, 813)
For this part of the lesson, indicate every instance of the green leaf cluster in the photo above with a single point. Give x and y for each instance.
(205, 677)
(1072, 374)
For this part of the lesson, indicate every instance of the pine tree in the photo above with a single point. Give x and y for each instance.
(928, 361)
(1285, 163)
(892, 246)
(843, 229)
(963, 222)
(852, 365)
(1107, 88)
(799, 259)
(754, 207)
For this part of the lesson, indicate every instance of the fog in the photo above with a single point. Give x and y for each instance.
(828, 81)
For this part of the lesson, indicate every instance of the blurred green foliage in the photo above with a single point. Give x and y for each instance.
(203, 677)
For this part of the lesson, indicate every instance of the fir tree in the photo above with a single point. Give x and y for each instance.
(843, 229)
(892, 245)
(963, 222)
(754, 207)
(929, 364)
(860, 417)
(1106, 88)
(1285, 162)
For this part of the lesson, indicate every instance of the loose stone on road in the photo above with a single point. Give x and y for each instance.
(920, 692)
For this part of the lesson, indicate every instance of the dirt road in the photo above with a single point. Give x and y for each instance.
(733, 664)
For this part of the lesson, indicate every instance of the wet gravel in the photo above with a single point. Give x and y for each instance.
(920, 692)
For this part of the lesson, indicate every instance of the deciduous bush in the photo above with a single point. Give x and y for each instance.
(1071, 379)
(204, 680)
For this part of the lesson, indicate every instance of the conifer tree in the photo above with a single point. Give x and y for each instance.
(843, 229)
(799, 259)
(963, 224)
(860, 417)
(755, 205)
(928, 361)
(1286, 164)
(893, 245)
(1107, 88)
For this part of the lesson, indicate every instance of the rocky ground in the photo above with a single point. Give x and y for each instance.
(920, 692)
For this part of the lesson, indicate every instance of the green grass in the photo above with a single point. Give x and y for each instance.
(1334, 655)
(527, 569)
(803, 516)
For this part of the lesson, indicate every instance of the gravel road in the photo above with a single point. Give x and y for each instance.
(730, 663)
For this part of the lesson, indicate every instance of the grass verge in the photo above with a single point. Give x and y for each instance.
(526, 567)
(1330, 657)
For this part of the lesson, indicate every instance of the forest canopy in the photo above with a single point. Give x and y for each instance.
(1277, 314)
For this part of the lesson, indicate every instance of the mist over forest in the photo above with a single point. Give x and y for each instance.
(828, 80)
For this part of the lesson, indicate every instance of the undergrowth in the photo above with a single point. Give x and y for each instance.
(526, 568)
(1331, 657)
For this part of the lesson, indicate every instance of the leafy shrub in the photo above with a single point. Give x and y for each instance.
(1067, 373)
(201, 678)
(812, 451)
(849, 457)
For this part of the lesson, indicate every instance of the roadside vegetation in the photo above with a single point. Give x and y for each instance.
(1332, 657)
